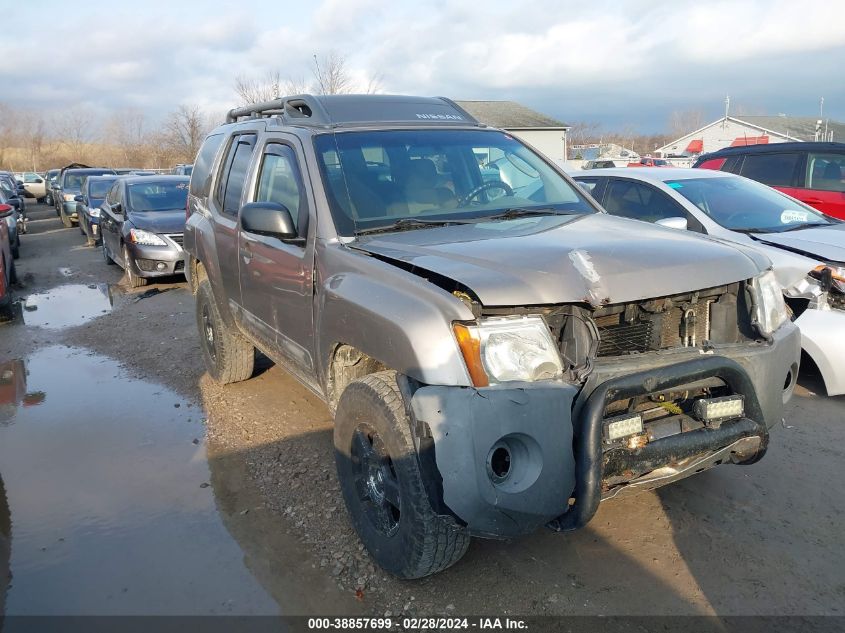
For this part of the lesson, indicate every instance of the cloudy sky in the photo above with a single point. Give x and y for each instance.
(617, 63)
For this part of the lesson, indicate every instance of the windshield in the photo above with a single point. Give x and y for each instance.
(73, 181)
(374, 179)
(745, 205)
(99, 188)
(158, 196)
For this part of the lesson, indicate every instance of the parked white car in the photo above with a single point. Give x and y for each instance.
(806, 247)
(35, 185)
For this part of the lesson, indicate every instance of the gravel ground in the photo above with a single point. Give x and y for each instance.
(760, 540)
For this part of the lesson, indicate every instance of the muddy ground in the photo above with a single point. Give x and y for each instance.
(766, 539)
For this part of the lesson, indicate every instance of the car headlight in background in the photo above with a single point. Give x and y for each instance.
(769, 306)
(837, 275)
(69, 197)
(94, 213)
(145, 238)
(508, 349)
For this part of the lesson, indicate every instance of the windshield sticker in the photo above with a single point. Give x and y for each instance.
(789, 216)
(675, 185)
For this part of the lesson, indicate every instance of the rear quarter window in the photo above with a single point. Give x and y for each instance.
(713, 163)
(771, 169)
(201, 175)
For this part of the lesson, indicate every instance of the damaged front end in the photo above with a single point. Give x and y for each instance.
(644, 393)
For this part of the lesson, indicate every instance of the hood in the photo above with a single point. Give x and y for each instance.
(825, 243)
(159, 221)
(593, 258)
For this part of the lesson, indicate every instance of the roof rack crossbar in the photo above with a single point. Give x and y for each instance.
(294, 107)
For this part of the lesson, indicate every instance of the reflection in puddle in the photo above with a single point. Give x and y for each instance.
(66, 306)
(103, 480)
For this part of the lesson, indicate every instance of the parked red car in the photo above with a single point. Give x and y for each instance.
(814, 173)
(7, 264)
(648, 161)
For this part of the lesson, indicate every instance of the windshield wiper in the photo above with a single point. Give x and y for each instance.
(522, 212)
(803, 226)
(408, 224)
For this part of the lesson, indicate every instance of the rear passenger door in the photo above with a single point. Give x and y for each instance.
(225, 202)
(824, 183)
(276, 276)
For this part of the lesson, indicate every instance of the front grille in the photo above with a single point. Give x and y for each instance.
(176, 237)
(625, 338)
(670, 322)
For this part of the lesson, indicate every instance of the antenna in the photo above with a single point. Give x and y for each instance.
(821, 107)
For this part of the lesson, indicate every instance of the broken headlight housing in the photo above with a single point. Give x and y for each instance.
(509, 349)
(769, 307)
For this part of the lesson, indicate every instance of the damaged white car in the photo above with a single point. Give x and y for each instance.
(806, 247)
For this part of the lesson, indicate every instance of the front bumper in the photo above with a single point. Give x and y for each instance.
(70, 210)
(553, 431)
(822, 338)
(156, 261)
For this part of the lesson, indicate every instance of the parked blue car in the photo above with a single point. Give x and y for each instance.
(94, 191)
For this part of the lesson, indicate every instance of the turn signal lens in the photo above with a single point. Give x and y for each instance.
(470, 345)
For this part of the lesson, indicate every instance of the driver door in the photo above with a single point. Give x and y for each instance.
(277, 276)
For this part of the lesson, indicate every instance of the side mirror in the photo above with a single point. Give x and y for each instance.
(268, 218)
(674, 223)
(78, 199)
(6, 210)
(117, 208)
(39, 180)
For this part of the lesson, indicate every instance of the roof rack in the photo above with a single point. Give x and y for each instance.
(338, 110)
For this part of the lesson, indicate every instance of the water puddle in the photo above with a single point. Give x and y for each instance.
(105, 503)
(67, 306)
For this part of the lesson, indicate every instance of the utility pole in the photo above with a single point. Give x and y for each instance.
(727, 109)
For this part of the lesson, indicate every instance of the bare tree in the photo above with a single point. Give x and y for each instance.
(184, 131)
(683, 122)
(256, 90)
(32, 132)
(73, 127)
(127, 132)
(331, 77)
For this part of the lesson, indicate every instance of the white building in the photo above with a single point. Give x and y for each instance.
(731, 131)
(539, 130)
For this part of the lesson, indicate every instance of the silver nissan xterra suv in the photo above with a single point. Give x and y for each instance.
(499, 354)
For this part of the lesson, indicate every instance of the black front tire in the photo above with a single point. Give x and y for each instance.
(229, 357)
(66, 221)
(132, 280)
(388, 502)
(106, 256)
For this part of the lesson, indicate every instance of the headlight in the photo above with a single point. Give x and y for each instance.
(769, 306)
(145, 238)
(68, 197)
(94, 213)
(508, 349)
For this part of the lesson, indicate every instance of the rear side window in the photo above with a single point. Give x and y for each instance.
(771, 169)
(713, 163)
(231, 185)
(825, 172)
(201, 179)
(640, 202)
(279, 180)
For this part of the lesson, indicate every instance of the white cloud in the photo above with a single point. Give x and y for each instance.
(579, 57)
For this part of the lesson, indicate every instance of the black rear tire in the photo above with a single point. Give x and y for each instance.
(229, 357)
(382, 485)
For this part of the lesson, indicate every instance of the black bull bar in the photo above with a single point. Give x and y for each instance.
(588, 433)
